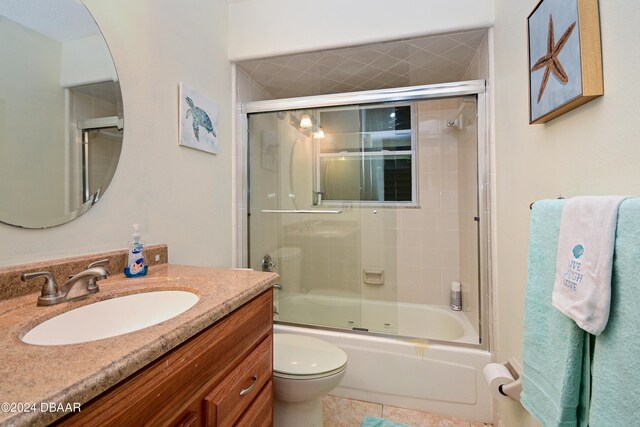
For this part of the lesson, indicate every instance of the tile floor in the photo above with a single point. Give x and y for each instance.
(340, 412)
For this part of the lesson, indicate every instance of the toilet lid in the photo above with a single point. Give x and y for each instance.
(300, 355)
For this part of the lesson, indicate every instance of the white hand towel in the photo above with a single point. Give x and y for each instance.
(582, 288)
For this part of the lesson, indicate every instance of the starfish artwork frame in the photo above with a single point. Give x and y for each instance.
(565, 57)
(198, 120)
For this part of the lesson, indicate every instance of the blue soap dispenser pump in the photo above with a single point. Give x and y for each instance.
(136, 265)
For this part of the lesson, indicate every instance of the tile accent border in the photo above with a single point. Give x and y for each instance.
(11, 286)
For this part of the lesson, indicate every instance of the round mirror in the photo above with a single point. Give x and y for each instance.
(61, 118)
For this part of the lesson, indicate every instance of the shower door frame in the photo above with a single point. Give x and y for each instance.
(415, 93)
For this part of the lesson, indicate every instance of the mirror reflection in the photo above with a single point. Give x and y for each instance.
(61, 118)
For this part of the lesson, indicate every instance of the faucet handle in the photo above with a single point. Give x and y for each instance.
(101, 263)
(92, 281)
(49, 292)
(92, 286)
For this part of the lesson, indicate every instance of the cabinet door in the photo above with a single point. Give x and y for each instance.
(229, 400)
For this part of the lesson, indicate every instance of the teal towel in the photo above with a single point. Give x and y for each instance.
(553, 387)
(381, 422)
(615, 399)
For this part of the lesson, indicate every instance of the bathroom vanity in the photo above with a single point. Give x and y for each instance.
(211, 365)
(217, 378)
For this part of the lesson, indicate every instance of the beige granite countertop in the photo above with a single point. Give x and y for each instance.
(76, 373)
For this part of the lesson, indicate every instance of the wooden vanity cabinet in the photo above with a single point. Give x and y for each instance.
(220, 377)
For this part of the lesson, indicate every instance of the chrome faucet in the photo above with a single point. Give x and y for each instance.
(51, 295)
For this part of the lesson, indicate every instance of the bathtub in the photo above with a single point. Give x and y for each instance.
(404, 319)
(408, 373)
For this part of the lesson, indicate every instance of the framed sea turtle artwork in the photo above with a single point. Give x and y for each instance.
(565, 57)
(198, 120)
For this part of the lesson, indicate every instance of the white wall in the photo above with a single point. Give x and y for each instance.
(591, 150)
(180, 196)
(259, 28)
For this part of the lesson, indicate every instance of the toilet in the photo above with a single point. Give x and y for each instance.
(304, 370)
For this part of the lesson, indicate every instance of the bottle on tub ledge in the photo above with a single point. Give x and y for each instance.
(456, 296)
(136, 264)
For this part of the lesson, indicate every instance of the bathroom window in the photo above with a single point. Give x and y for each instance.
(367, 154)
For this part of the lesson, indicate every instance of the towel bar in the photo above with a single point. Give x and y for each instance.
(532, 203)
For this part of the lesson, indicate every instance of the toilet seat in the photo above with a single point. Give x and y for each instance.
(301, 357)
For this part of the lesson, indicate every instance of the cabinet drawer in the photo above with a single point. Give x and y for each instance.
(191, 419)
(260, 413)
(229, 400)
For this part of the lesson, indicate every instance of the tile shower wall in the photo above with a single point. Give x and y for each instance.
(419, 248)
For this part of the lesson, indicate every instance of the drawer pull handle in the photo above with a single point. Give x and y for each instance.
(248, 389)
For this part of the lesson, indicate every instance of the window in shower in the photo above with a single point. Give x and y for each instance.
(367, 154)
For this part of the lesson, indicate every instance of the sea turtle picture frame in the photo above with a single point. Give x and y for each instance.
(565, 57)
(198, 122)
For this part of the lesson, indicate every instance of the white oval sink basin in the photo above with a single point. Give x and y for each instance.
(110, 318)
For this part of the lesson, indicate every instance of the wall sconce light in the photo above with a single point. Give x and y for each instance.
(305, 121)
(307, 126)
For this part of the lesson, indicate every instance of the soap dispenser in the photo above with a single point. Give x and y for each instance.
(136, 264)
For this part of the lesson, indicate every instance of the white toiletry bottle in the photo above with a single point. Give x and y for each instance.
(456, 296)
(136, 264)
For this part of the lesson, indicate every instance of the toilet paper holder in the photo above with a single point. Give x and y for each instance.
(510, 387)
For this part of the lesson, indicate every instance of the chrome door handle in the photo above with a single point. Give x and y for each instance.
(248, 389)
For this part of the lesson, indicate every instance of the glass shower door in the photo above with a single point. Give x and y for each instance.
(314, 247)
(372, 212)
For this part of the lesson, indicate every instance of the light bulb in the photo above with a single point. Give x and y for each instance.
(305, 121)
(319, 134)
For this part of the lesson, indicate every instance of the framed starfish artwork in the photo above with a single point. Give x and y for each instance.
(565, 57)
(198, 121)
